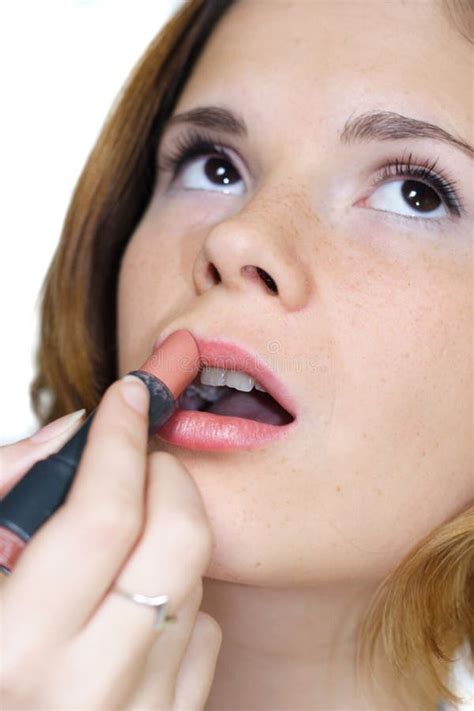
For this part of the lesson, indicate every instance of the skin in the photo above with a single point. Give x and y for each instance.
(376, 306)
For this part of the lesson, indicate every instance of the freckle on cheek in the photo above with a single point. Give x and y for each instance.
(338, 488)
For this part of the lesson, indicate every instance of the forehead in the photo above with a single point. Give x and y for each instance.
(309, 59)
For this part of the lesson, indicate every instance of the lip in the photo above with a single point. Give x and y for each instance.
(205, 431)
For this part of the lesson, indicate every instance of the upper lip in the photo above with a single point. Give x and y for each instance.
(216, 353)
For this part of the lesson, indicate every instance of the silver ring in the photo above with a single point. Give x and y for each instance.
(158, 601)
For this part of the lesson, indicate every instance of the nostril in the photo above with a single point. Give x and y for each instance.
(214, 273)
(267, 279)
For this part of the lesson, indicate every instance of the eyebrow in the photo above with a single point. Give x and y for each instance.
(370, 126)
(389, 126)
(214, 117)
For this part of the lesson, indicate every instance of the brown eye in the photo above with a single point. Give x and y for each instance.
(420, 196)
(220, 171)
(214, 173)
(411, 198)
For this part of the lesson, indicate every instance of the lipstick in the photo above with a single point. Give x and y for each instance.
(41, 491)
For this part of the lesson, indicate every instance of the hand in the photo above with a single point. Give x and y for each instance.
(17, 458)
(132, 519)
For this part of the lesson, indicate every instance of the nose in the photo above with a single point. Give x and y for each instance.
(258, 249)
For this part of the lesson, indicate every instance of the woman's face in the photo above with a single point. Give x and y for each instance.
(372, 322)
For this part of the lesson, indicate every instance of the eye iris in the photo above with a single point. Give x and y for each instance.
(219, 169)
(420, 196)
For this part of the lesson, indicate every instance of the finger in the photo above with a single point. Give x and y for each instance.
(198, 667)
(72, 560)
(161, 663)
(170, 558)
(17, 458)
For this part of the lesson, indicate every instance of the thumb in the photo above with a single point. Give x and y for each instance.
(18, 457)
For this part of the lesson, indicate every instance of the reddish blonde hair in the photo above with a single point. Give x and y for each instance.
(423, 611)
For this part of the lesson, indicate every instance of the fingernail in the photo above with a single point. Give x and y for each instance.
(53, 429)
(136, 394)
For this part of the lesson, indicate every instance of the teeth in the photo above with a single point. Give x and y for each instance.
(213, 376)
(239, 381)
(232, 378)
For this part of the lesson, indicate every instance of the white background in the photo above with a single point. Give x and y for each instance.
(62, 63)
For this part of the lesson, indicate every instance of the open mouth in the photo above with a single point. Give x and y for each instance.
(235, 394)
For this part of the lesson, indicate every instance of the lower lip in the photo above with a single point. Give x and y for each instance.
(205, 431)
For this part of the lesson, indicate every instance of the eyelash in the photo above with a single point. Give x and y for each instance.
(194, 144)
(190, 145)
(424, 170)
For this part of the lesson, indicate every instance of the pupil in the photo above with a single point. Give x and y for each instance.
(420, 196)
(219, 169)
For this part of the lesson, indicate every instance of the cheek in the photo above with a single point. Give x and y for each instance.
(150, 263)
(403, 409)
(132, 306)
(154, 284)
